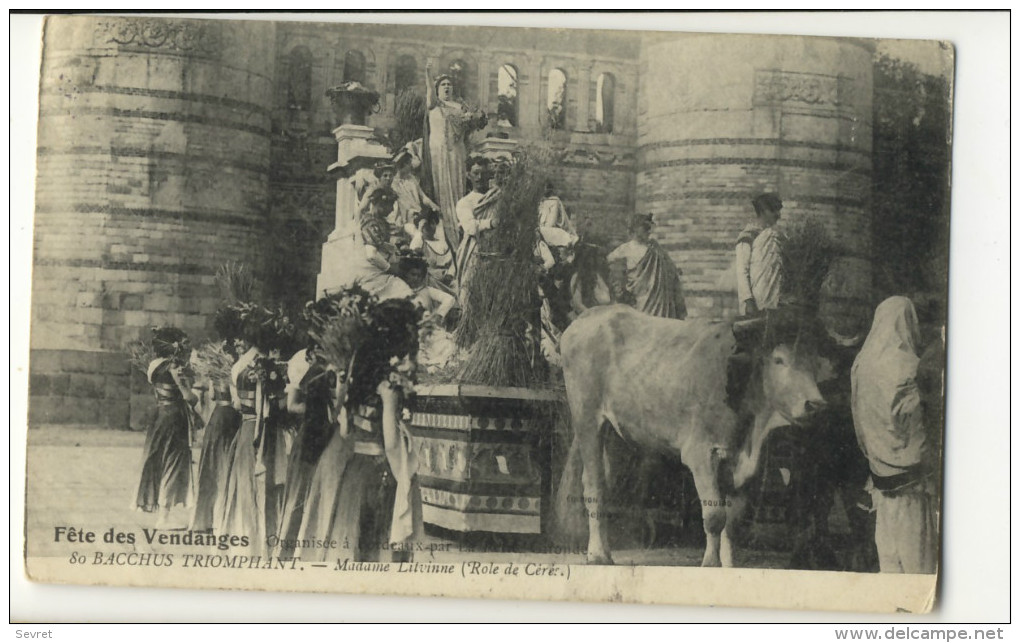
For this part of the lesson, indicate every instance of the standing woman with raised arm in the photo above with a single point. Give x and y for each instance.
(448, 125)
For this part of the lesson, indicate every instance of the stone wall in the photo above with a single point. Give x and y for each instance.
(790, 116)
(594, 173)
(153, 158)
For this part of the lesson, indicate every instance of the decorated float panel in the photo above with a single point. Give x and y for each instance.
(484, 456)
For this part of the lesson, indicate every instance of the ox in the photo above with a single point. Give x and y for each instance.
(661, 384)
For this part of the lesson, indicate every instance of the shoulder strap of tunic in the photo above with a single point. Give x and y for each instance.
(749, 233)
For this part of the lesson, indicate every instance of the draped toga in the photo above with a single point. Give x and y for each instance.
(651, 278)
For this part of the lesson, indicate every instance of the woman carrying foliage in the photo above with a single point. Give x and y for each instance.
(166, 470)
(214, 362)
(363, 493)
(311, 392)
(253, 493)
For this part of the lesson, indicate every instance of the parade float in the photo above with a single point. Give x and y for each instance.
(482, 423)
(485, 427)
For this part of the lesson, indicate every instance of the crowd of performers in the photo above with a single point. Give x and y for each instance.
(427, 248)
(299, 450)
(883, 422)
(410, 253)
(314, 448)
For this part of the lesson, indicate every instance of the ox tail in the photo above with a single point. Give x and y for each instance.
(570, 521)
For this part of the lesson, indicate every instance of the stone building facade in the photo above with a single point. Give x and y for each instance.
(167, 147)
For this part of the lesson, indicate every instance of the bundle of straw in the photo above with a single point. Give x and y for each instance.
(409, 116)
(140, 355)
(237, 282)
(808, 251)
(212, 362)
(338, 339)
(501, 320)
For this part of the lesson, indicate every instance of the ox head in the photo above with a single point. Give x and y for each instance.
(789, 380)
(789, 368)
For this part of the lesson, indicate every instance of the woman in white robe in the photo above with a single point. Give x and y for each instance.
(889, 421)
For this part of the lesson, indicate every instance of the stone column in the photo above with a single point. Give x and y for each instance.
(583, 99)
(356, 153)
(785, 115)
(153, 165)
(484, 69)
(529, 97)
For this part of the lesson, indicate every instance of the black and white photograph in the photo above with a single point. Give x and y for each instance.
(477, 311)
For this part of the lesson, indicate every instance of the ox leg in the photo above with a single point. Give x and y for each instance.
(735, 505)
(713, 510)
(594, 481)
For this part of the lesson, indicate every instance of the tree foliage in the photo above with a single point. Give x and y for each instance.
(910, 178)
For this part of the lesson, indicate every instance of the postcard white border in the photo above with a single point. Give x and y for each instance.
(976, 537)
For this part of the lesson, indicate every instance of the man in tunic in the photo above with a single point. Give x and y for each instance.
(759, 269)
(476, 213)
(644, 275)
(759, 258)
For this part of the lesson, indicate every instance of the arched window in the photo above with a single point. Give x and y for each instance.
(460, 73)
(354, 67)
(405, 75)
(506, 90)
(299, 79)
(605, 89)
(556, 100)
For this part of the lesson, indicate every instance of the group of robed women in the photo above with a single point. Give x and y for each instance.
(296, 453)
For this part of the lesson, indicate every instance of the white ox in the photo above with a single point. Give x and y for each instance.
(661, 384)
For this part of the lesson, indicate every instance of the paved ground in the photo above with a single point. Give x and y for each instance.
(86, 478)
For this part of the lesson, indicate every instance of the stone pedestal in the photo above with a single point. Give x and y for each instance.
(501, 149)
(357, 153)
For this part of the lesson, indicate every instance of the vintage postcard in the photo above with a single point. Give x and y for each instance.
(521, 313)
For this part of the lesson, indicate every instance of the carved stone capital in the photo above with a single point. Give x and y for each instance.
(204, 38)
(771, 86)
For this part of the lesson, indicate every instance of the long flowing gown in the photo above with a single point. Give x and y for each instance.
(363, 495)
(317, 386)
(251, 505)
(166, 470)
(450, 125)
(214, 463)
